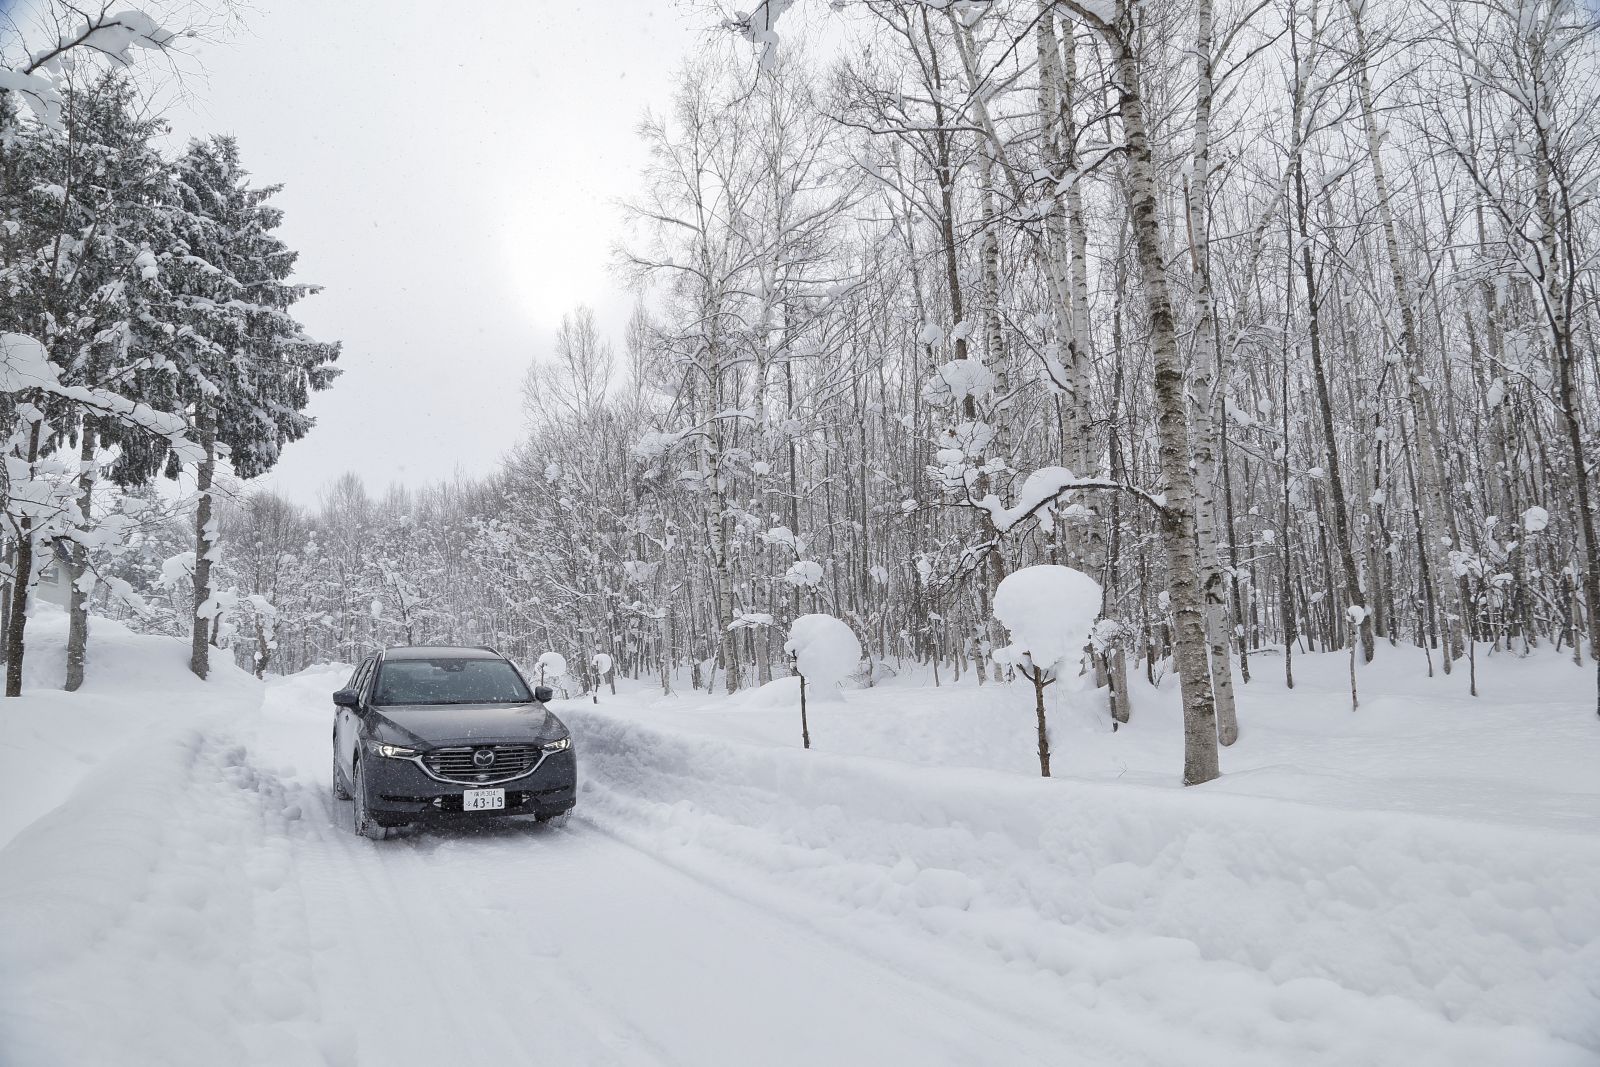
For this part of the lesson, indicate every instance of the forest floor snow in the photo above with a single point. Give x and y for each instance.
(1416, 882)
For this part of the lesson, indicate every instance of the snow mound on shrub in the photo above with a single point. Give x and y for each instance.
(1049, 611)
(552, 665)
(825, 650)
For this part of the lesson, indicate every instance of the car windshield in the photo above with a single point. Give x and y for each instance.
(450, 681)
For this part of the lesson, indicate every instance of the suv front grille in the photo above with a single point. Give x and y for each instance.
(462, 764)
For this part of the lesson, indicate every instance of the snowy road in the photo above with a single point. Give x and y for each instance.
(524, 945)
(197, 899)
(239, 921)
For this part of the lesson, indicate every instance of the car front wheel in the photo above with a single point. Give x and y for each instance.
(366, 824)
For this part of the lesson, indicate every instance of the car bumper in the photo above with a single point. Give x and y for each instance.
(401, 791)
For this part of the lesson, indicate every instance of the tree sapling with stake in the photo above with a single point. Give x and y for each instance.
(1050, 612)
(825, 653)
(552, 669)
(1358, 615)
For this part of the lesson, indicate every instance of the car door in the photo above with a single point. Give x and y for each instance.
(347, 723)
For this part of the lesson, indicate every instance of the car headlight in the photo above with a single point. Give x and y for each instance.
(559, 745)
(391, 751)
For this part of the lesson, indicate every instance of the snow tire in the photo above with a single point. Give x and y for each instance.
(365, 823)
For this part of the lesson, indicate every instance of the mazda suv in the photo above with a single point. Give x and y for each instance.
(424, 734)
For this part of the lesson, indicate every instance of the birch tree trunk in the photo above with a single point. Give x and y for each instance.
(1065, 250)
(1207, 386)
(1200, 762)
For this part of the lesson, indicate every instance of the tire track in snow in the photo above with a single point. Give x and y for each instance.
(1009, 1024)
(393, 962)
(471, 867)
(402, 941)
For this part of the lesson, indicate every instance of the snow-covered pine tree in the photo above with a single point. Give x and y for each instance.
(77, 196)
(115, 175)
(244, 368)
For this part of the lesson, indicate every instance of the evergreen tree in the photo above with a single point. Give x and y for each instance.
(80, 202)
(244, 369)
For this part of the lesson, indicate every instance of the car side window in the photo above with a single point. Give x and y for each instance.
(358, 680)
(366, 677)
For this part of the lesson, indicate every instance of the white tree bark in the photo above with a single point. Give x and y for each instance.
(1207, 386)
(1200, 762)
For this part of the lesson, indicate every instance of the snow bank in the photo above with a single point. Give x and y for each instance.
(128, 892)
(143, 857)
(781, 693)
(134, 684)
(1236, 930)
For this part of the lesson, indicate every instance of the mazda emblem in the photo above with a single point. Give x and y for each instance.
(484, 757)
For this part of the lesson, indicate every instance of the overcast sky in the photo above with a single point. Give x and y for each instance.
(451, 181)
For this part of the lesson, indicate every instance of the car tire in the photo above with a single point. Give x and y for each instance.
(363, 821)
(558, 820)
(339, 790)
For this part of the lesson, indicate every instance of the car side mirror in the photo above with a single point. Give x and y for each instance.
(347, 698)
(543, 694)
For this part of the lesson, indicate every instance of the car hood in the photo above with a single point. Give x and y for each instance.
(434, 724)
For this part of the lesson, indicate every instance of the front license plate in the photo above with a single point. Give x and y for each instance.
(483, 799)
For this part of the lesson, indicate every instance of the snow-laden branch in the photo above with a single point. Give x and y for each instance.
(1041, 489)
(111, 35)
(758, 27)
(25, 364)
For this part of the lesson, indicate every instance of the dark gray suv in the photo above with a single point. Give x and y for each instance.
(434, 733)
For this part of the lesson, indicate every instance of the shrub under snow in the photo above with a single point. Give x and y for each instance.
(1051, 614)
(825, 653)
(1049, 611)
(552, 665)
(825, 650)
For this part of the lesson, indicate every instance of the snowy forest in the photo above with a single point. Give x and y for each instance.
(984, 532)
(1277, 319)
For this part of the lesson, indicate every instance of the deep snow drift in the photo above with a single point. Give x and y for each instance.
(1414, 883)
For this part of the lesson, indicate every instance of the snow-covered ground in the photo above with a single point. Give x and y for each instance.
(1417, 882)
